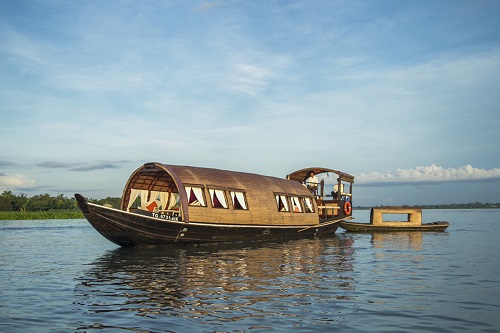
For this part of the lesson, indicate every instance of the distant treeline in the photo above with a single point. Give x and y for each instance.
(48, 215)
(472, 205)
(10, 202)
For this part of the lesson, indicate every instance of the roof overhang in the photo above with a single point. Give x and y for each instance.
(302, 174)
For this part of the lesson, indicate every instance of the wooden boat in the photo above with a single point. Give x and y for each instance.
(378, 224)
(367, 227)
(164, 204)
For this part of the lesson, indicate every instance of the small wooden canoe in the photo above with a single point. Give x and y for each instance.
(368, 227)
(412, 222)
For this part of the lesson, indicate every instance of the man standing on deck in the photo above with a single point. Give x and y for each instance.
(312, 183)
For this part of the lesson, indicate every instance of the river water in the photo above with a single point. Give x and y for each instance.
(62, 276)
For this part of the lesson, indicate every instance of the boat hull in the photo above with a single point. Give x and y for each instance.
(367, 227)
(130, 229)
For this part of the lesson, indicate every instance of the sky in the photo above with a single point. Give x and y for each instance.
(404, 95)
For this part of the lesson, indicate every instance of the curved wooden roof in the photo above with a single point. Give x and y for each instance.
(259, 191)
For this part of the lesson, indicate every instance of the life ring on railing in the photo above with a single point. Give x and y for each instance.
(347, 208)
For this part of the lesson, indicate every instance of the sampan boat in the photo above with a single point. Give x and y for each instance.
(367, 227)
(378, 224)
(165, 204)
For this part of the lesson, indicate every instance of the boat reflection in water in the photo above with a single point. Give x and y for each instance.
(410, 252)
(398, 241)
(217, 282)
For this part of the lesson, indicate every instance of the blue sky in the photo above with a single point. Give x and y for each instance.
(404, 95)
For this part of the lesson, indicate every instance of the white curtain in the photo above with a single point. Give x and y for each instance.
(144, 198)
(133, 195)
(296, 205)
(168, 200)
(198, 194)
(240, 197)
(152, 197)
(282, 198)
(222, 198)
(219, 194)
(309, 204)
(164, 200)
(173, 200)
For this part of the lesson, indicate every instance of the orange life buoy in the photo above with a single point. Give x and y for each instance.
(347, 208)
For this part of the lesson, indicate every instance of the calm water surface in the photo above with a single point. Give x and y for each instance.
(62, 276)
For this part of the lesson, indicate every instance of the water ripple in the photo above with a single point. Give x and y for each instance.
(62, 276)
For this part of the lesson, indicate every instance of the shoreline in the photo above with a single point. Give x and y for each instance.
(42, 215)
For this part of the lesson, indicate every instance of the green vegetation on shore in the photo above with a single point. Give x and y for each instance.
(49, 215)
(471, 205)
(44, 206)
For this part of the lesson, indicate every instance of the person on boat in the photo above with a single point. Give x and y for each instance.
(312, 183)
(335, 192)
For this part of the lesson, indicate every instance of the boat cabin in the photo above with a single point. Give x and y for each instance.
(332, 190)
(195, 194)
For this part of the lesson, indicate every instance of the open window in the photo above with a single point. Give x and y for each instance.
(282, 202)
(308, 205)
(195, 195)
(296, 205)
(238, 199)
(218, 198)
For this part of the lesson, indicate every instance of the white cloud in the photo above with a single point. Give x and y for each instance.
(208, 5)
(10, 182)
(432, 174)
(250, 78)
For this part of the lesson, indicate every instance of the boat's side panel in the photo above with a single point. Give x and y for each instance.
(128, 229)
(258, 213)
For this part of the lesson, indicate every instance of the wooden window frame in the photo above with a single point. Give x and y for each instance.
(277, 198)
(204, 197)
(224, 194)
(306, 207)
(245, 202)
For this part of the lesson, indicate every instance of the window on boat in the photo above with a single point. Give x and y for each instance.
(218, 198)
(238, 199)
(308, 204)
(296, 206)
(195, 196)
(282, 202)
